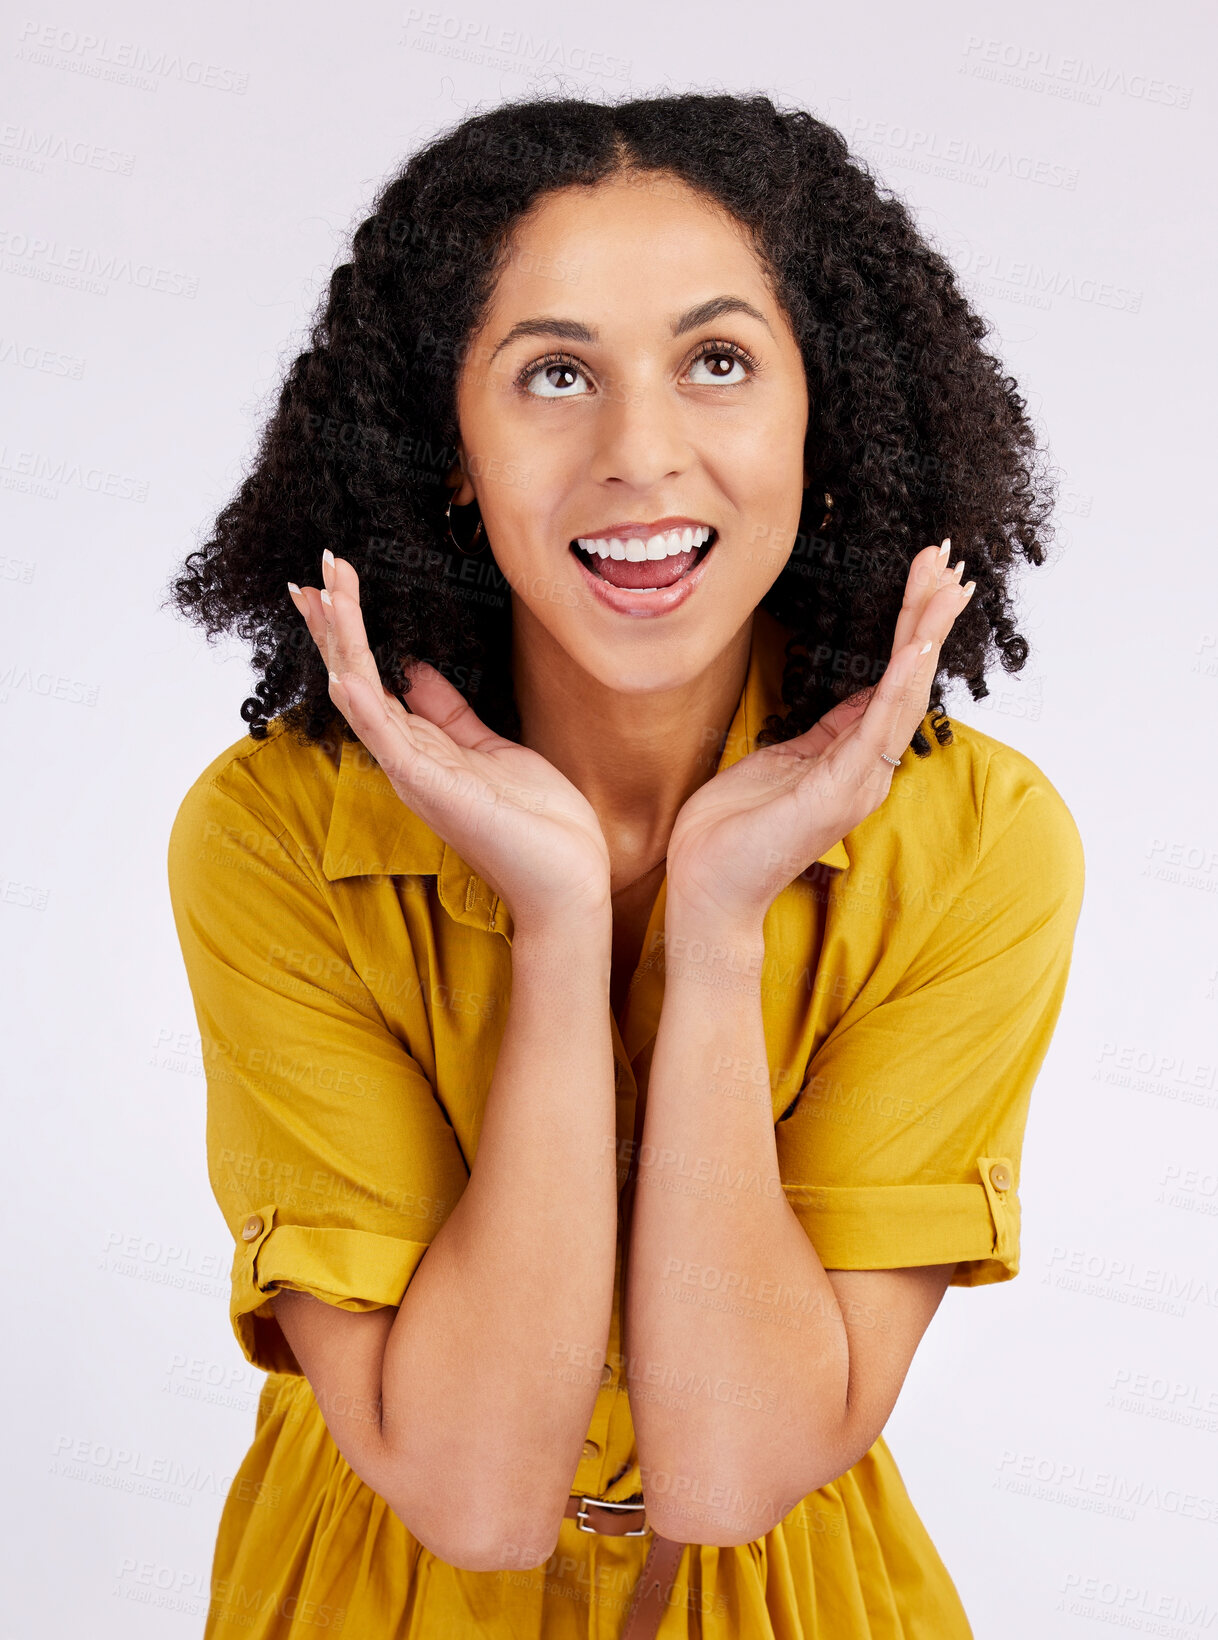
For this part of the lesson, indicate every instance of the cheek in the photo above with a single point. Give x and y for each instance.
(769, 488)
(523, 513)
(765, 452)
(769, 507)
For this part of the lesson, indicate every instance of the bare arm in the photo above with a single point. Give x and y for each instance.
(724, 1284)
(449, 1406)
(722, 1280)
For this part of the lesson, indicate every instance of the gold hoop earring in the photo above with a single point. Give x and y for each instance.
(477, 541)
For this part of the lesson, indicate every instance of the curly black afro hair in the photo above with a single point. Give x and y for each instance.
(914, 431)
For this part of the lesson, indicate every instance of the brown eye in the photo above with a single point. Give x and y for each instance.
(720, 364)
(554, 379)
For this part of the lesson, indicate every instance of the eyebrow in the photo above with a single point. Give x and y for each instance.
(574, 330)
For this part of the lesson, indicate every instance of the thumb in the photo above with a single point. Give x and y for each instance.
(432, 696)
(828, 729)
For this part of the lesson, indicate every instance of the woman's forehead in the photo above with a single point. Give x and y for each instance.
(584, 251)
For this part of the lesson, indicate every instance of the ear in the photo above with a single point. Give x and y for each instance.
(457, 480)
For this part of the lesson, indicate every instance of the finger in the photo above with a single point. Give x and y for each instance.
(308, 603)
(430, 695)
(425, 766)
(928, 571)
(405, 745)
(387, 730)
(374, 715)
(317, 618)
(404, 737)
(902, 697)
(347, 650)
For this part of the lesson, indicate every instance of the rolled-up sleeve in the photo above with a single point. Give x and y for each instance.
(904, 1145)
(328, 1153)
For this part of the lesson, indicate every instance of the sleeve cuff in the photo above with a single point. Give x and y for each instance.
(892, 1226)
(351, 1269)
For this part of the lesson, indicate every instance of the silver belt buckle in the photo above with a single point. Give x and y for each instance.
(581, 1515)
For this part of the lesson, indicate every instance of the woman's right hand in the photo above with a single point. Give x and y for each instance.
(531, 835)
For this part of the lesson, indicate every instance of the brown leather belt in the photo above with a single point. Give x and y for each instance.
(651, 1592)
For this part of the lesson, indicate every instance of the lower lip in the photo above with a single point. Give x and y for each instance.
(658, 602)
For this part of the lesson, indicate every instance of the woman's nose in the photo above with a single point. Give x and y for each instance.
(639, 435)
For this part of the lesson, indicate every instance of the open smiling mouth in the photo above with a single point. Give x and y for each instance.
(637, 566)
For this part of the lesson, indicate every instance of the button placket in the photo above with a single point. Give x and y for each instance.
(587, 1476)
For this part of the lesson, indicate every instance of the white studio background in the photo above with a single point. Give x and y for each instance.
(177, 189)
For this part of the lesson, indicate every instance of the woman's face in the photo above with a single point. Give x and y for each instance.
(634, 378)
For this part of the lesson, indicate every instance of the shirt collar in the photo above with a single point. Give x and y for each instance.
(373, 833)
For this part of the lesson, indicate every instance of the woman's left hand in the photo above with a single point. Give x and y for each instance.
(741, 838)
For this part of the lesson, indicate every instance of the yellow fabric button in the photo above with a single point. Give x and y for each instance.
(591, 1450)
(1000, 1176)
(606, 1374)
(252, 1227)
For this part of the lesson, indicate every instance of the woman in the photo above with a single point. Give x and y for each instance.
(621, 990)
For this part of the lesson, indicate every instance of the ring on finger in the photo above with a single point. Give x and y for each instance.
(895, 761)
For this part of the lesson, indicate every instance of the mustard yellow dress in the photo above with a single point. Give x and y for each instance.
(351, 978)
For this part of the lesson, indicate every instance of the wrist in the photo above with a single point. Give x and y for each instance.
(710, 949)
(687, 920)
(583, 940)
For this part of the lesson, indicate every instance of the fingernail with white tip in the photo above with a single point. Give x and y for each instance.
(326, 598)
(945, 548)
(327, 557)
(924, 647)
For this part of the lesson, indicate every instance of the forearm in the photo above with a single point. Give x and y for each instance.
(523, 1267)
(724, 1287)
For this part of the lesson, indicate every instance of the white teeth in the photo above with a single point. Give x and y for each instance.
(665, 545)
